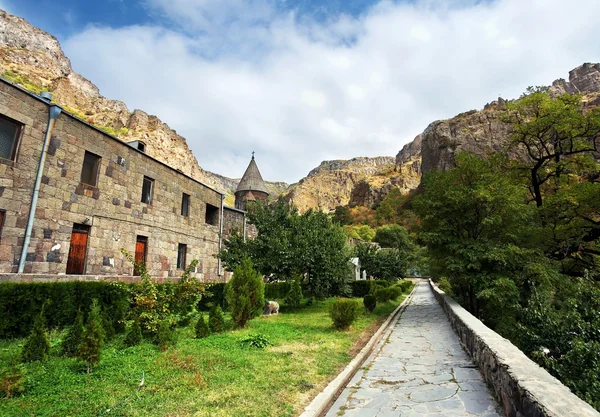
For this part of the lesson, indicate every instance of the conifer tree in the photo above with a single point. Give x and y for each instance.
(245, 293)
(107, 325)
(165, 336)
(37, 345)
(294, 295)
(93, 338)
(202, 329)
(216, 321)
(72, 341)
(119, 318)
(134, 335)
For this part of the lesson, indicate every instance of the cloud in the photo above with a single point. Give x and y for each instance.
(235, 76)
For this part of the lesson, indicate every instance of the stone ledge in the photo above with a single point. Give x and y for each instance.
(522, 387)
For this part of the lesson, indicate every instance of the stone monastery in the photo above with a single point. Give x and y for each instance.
(72, 196)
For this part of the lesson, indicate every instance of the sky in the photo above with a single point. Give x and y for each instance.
(302, 81)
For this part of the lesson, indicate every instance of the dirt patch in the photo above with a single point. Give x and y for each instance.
(366, 335)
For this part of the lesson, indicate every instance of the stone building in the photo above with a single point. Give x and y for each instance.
(97, 195)
(251, 187)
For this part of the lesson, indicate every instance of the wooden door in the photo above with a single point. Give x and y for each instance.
(140, 253)
(76, 260)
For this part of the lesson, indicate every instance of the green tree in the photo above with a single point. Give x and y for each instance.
(342, 215)
(294, 295)
(216, 321)
(202, 329)
(72, 341)
(134, 335)
(37, 345)
(245, 294)
(90, 349)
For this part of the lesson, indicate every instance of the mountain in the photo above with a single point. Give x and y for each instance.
(34, 59)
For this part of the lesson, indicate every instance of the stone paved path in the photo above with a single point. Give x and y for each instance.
(422, 370)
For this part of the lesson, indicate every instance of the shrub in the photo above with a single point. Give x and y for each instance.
(445, 286)
(216, 321)
(405, 284)
(93, 338)
(277, 290)
(383, 295)
(370, 302)
(119, 317)
(134, 335)
(12, 381)
(37, 345)
(165, 337)
(202, 329)
(107, 325)
(214, 294)
(343, 312)
(361, 288)
(255, 340)
(294, 296)
(72, 341)
(245, 294)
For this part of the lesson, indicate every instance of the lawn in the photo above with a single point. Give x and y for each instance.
(198, 377)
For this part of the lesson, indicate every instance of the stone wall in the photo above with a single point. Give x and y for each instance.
(113, 209)
(233, 220)
(522, 387)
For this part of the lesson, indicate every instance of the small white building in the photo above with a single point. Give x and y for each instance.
(356, 265)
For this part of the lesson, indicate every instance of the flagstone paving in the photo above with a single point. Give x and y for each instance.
(421, 370)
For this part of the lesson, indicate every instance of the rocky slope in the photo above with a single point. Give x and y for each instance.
(35, 60)
(356, 182)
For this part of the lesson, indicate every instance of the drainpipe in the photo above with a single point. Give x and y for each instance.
(220, 271)
(52, 116)
(244, 227)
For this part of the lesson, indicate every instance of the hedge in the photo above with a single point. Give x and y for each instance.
(362, 288)
(21, 303)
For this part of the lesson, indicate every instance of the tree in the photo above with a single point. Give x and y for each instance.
(245, 294)
(134, 335)
(202, 329)
(294, 295)
(72, 341)
(37, 345)
(552, 132)
(93, 338)
(216, 321)
(342, 215)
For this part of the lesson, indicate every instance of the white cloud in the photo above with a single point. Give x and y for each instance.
(243, 76)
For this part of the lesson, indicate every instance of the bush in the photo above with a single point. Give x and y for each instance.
(361, 288)
(72, 341)
(406, 285)
(107, 325)
(214, 295)
(202, 329)
(119, 317)
(245, 294)
(12, 381)
(445, 286)
(294, 296)
(93, 338)
(216, 321)
(343, 312)
(165, 337)
(370, 302)
(383, 295)
(255, 340)
(21, 303)
(134, 335)
(37, 345)
(277, 290)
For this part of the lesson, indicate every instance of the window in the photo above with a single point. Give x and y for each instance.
(185, 205)
(147, 189)
(2, 218)
(10, 134)
(212, 214)
(89, 171)
(141, 146)
(181, 252)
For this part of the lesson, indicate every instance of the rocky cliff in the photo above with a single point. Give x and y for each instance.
(35, 60)
(356, 182)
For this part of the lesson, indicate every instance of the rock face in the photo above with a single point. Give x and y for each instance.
(584, 79)
(356, 182)
(35, 60)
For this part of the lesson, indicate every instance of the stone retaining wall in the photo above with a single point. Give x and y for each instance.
(522, 387)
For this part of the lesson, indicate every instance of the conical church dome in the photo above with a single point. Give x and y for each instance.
(252, 180)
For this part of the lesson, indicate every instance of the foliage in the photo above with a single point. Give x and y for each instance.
(277, 290)
(175, 303)
(37, 346)
(72, 341)
(342, 215)
(12, 381)
(362, 232)
(292, 244)
(22, 81)
(90, 349)
(343, 313)
(360, 288)
(202, 329)
(214, 294)
(21, 303)
(382, 263)
(294, 296)
(245, 294)
(216, 321)
(165, 337)
(133, 337)
(255, 340)
(383, 295)
(195, 376)
(370, 302)
(107, 325)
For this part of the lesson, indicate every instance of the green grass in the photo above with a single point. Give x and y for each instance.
(198, 377)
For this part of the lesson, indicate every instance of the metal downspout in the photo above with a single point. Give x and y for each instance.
(244, 227)
(52, 116)
(220, 272)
